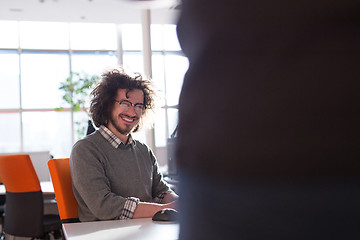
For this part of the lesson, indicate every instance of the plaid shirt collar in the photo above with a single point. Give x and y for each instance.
(112, 138)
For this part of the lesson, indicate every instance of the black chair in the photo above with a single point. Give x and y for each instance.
(24, 210)
(2, 213)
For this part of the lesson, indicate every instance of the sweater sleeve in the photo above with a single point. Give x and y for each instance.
(160, 186)
(91, 187)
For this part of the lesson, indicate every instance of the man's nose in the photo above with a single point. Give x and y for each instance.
(131, 111)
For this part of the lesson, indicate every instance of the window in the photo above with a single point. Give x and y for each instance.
(169, 66)
(37, 56)
(41, 74)
(9, 34)
(9, 79)
(93, 36)
(43, 35)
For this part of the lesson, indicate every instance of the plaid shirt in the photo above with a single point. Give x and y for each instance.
(112, 138)
(131, 202)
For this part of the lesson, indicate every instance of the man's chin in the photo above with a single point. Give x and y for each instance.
(128, 127)
(123, 131)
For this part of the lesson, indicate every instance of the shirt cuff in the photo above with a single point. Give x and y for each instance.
(129, 208)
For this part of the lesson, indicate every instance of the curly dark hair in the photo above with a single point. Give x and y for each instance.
(104, 93)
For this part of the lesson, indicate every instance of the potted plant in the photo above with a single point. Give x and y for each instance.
(76, 89)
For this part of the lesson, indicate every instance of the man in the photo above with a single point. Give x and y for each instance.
(115, 176)
(269, 119)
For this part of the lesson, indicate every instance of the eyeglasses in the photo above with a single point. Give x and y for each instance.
(139, 108)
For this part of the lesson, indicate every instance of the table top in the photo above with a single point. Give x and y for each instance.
(46, 188)
(141, 228)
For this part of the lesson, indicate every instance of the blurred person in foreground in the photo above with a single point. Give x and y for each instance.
(115, 176)
(269, 137)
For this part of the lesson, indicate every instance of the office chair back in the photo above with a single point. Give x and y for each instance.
(60, 175)
(24, 211)
(2, 212)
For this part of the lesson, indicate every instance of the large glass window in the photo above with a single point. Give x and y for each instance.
(44, 35)
(9, 79)
(131, 37)
(10, 137)
(41, 74)
(48, 130)
(93, 63)
(133, 61)
(37, 56)
(169, 66)
(93, 36)
(164, 37)
(9, 34)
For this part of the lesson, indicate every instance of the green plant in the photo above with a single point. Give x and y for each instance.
(76, 89)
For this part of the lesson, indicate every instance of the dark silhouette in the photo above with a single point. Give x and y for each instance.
(269, 138)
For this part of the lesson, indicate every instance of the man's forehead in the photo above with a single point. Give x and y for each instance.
(134, 93)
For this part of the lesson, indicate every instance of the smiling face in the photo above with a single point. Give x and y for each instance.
(123, 122)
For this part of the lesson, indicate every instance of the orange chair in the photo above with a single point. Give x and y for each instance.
(60, 176)
(24, 210)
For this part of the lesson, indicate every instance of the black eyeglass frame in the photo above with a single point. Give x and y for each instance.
(130, 104)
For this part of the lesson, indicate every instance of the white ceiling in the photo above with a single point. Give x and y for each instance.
(107, 11)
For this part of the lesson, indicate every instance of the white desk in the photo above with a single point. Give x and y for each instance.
(139, 229)
(46, 188)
